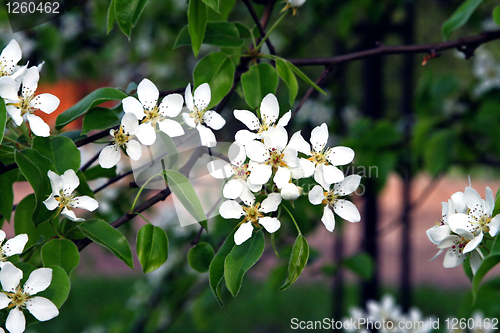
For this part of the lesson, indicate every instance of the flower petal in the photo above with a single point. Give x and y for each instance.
(188, 120)
(473, 201)
(202, 96)
(348, 185)
(257, 151)
(207, 137)
(298, 143)
(243, 233)
(56, 182)
(448, 241)
(30, 81)
(475, 261)
(436, 234)
(8, 88)
(276, 137)
(271, 224)
(319, 137)
(2, 236)
(188, 98)
(340, 155)
(134, 150)
(71, 215)
(132, 105)
(346, 210)
(260, 174)
(51, 203)
(290, 158)
(171, 127)
(282, 177)
(244, 136)
(459, 204)
(148, 94)
(39, 280)
(171, 105)
(11, 55)
(328, 219)
(232, 189)
(269, 109)
(10, 276)
(490, 202)
(220, 169)
(246, 196)
(15, 245)
(15, 114)
(285, 119)
(41, 308)
(318, 177)
(4, 301)
(307, 166)
(38, 126)
(290, 192)
(236, 154)
(230, 209)
(146, 134)
(214, 120)
(316, 195)
(109, 156)
(70, 181)
(332, 174)
(130, 123)
(474, 243)
(459, 221)
(271, 203)
(16, 322)
(86, 202)
(248, 118)
(47, 103)
(494, 225)
(453, 259)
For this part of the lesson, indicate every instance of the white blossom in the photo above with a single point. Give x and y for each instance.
(199, 116)
(110, 155)
(269, 112)
(323, 161)
(21, 107)
(331, 199)
(64, 197)
(150, 114)
(254, 216)
(17, 297)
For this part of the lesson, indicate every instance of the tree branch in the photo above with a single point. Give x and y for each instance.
(465, 45)
(257, 21)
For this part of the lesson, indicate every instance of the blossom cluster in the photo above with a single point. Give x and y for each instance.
(387, 316)
(263, 159)
(17, 87)
(466, 222)
(17, 298)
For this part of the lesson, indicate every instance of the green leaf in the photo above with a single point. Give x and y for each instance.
(257, 82)
(99, 119)
(60, 150)
(58, 290)
(173, 154)
(243, 30)
(124, 12)
(217, 70)
(200, 256)
(489, 261)
(34, 166)
(197, 23)
(102, 233)
(83, 188)
(99, 172)
(214, 4)
(460, 17)
(61, 252)
(361, 264)
(216, 269)
(23, 224)
(90, 101)
(439, 151)
(496, 15)
(138, 11)
(3, 118)
(222, 34)
(7, 179)
(287, 75)
(496, 210)
(6, 154)
(304, 77)
(111, 16)
(298, 260)
(183, 190)
(241, 259)
(152, 247)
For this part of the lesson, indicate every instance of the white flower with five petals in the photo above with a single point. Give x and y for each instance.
(459, 245)
(323, 161)
(269, 112)
(63, 195)
(21, 107)
(150, 114)
(110, 155)
(343, 208)
(199, 116)
(11, 247)
(18, 298)
(254, 216)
